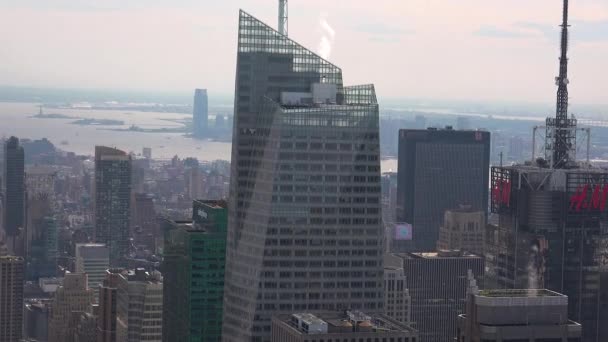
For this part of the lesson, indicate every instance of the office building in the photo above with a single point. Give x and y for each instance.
(552, 218)
(84, 327)
(146, 152)
(13, 186)
(397, 300)
(200, 113)
(535, 315)
(439, 169)
(42, 254)
(389, 197)
(193, 275)
(305, 228)
(73, 296)
(463, 229)
(339, 326)
(11, 298)
(93, 259)
(438, 284)
(113, 201)
(106, 320)
(145, 223)
(139, 306)
(36, 315)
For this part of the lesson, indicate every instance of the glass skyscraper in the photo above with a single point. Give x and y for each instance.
(304, 228)
(113, 201)
(193, 274)
(200, 113)
(14, 196)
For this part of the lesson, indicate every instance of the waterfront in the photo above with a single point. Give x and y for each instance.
(16, 119)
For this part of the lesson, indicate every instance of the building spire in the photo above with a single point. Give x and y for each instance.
(562, 130)
(283, 17)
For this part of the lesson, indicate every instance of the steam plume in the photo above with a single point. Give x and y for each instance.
(328, 35)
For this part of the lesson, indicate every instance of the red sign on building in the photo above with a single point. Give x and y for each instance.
(587, 199)
(501, 193)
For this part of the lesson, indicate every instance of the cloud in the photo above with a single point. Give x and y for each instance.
(590, 31)
(495, 32)
(382, 33)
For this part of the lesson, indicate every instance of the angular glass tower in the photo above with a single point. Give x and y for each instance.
(304, 229)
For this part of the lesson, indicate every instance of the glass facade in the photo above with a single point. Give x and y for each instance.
(193, 270)
(305, 230)
(439, 170)
(113, 201)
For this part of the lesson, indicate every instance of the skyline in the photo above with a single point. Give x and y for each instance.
(504, 52)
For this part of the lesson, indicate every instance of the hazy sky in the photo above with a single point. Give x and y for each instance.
(438, 49)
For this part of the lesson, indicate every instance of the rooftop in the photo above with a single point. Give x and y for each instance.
(442, 254)
(519, 293)
(340, 322)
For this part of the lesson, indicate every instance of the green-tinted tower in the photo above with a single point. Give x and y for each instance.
(193, 269)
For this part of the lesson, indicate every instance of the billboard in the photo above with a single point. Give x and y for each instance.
(403, 231)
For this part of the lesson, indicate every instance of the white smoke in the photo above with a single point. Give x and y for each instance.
(533, 282)
(328, 34)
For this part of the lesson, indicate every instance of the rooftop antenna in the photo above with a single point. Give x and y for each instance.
(561, 131)
(283, 17)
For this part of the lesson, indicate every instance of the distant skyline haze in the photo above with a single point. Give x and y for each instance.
(462, 50)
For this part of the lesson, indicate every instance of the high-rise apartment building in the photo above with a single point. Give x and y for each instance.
(200, 113)
(106, 320)
(193, 275)
(13, 186)
(113, 201)
(305, 227)
(517, 315)
(11, 298)
(439, 169)
(463, 229)
(94, 260)
(139, 306)
(438, 284)
(72, 296)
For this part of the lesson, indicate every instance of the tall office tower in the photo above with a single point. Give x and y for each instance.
(106, 321)
(438, 284)
(145, 224)
(40, 189)
(439, 169)
(42, 253)
(305, 228)
(11, 298)
(200, 113)
(517, 315)
(139, 306)
(93, 259)
(113, 201)
(193, 275)
(552, 221)
(397, 300)
(14, 196)
(463, 229)
(72, 296)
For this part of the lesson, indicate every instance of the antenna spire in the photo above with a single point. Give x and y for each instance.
(562, 130)
(283, 17)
